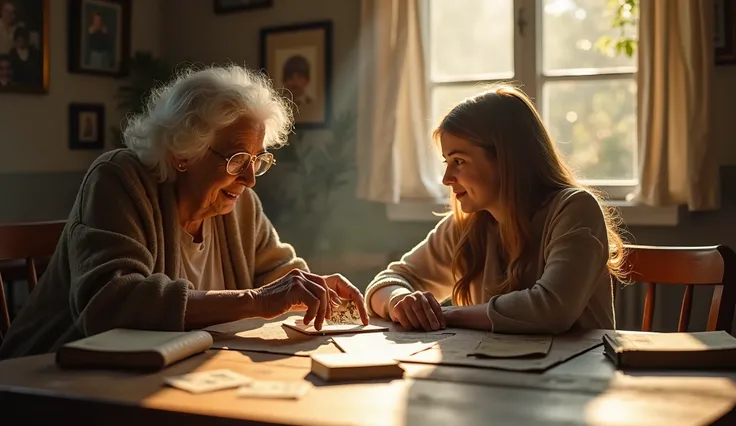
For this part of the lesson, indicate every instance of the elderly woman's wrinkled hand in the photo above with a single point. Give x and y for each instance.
(298, 290)
(346, 290)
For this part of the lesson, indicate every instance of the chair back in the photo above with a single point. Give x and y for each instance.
(688, 266)
(20, 245)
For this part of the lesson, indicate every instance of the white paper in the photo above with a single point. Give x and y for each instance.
(391, 344)
(208, 381)
(274, 389)
(454, 350)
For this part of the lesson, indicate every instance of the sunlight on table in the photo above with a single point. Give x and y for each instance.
(692, 400)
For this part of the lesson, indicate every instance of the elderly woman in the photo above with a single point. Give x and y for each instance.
(168, 234)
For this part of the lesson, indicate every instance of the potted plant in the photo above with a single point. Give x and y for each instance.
(298, 193)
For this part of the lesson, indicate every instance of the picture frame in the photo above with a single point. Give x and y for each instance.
(223, 7)
(24, 48)
(298, 59)
(99, 37)
(725, 31)
(86, 126)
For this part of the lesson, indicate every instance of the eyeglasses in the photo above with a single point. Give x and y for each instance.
(239, 162)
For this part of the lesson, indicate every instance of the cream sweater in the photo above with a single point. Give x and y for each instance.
(118, 261)
(566, 285)
(202, 261)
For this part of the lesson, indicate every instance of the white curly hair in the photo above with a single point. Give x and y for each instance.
(181, 118)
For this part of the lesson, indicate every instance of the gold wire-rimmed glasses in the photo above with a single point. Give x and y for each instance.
(239, 162)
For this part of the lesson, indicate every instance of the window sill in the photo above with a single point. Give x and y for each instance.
(637, 215)
(632, 215)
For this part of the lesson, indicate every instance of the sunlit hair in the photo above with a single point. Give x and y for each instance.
(180, 119)
(504, 122)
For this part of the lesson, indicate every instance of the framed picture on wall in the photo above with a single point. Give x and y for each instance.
(298, 59)
(99, 37)
(229, 6)
(725, 31)
(24, 54)
(86, 126)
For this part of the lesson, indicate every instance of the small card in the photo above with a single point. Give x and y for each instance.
(208, 381)
(274, 389)
(511, 346)
(346, 313)
(332, 328)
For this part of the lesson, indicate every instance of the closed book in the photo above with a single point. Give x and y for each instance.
(121, 348)
(699, 350)
(346, 367)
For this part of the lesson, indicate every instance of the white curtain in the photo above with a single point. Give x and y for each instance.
(395, 152)
(678, 159)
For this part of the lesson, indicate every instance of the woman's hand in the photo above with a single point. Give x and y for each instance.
(297, 291)
(346, 290)
(418, 310)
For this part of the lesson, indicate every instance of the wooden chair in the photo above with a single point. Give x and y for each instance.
(689, 266)
(25, 242)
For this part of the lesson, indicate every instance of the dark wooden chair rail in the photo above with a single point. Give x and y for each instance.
(688, 266)
(26, 242)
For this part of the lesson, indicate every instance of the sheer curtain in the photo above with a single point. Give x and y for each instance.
(678, 159)
(395, 152)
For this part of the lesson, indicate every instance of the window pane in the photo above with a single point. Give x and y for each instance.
(594, 124)
(470, 38)
(570, 30)
(444, 98)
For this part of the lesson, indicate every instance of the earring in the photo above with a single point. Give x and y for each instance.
(181, 167)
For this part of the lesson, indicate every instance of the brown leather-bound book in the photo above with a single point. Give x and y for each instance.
(341, 367)
(133, 349)
(700, 350)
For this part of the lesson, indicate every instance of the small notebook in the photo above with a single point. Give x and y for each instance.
(340, 367)
(133, 349)
(700, 350)
(332, 328)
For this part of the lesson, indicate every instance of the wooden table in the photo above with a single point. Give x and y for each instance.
(584, 390)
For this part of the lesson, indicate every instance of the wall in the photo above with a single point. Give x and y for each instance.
(724, 105)
(39, 175)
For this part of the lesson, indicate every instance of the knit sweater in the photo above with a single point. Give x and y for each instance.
(118, 263)
(565, 284)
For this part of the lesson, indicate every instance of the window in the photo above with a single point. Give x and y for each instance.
(587, 98)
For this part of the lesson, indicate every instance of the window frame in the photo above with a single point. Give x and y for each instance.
(426, 211)
(529, 71)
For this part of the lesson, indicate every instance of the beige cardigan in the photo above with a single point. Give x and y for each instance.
(117, 263)
(567, 285)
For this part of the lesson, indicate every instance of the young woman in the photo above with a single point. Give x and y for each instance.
(526, 249)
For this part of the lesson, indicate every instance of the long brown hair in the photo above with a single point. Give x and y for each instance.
(504, 121)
